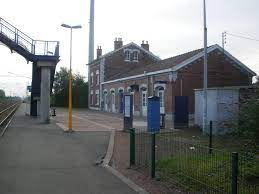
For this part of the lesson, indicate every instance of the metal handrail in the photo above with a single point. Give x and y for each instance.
(35, 47)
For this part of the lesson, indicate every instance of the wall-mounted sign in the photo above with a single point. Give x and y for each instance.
(29, 88)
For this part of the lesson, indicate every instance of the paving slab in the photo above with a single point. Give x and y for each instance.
(39, 159)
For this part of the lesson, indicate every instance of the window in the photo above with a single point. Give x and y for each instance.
(161, 96)
(92, 97)
(97, 77)
(92, 78)
(135, 56)
(127, 55)
(144, 98)
(97, 99)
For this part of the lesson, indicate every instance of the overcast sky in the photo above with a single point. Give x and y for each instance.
(171, 27)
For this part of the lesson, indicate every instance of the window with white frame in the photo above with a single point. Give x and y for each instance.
(127, 55)
(97, 77)
(97, 97)
(135, 56)
(161, 95)
(92, 78)
(92, 97)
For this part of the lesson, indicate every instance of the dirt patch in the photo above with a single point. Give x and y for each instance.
(120, 161)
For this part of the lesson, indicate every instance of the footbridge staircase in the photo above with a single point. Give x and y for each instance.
(44, 56)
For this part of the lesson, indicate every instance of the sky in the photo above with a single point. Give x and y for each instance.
(172, 27)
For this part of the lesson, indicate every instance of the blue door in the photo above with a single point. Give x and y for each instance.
(181, 116)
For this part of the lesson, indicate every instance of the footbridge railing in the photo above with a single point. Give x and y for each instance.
(35, 47)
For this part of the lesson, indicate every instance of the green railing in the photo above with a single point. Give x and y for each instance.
(195, 168)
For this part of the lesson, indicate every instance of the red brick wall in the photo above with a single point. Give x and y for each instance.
(221, 72)
(115, 64)
(93, 86)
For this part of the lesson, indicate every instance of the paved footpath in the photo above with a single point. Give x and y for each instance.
(42, 159)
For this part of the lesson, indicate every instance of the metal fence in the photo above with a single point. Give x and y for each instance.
(195, 168)
(36, 47)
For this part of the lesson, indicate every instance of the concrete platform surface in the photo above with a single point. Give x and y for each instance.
(90, 120)
(42, 159)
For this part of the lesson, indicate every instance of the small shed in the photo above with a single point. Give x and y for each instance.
(222, 108)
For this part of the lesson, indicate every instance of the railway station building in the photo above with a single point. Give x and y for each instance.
(134, 69)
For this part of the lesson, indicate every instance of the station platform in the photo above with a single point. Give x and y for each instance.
(40, 158)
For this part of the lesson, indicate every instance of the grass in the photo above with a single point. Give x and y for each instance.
(208, 172)
(228, 142)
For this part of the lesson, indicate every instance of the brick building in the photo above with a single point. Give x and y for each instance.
(133, 69)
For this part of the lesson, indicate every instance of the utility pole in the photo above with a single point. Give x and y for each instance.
(224, 35)
(205, 72)
(91, 34)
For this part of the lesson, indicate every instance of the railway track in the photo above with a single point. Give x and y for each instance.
(7, 111)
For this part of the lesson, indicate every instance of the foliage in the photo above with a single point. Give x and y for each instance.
(248, 125)
(2, 93)
(61, 85)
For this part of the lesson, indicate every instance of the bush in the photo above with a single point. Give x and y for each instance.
(248, 120)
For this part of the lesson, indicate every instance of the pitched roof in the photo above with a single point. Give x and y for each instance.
(174, 64)
(123, 47)
(162, 64)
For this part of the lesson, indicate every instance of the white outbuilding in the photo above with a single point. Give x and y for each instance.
(222, 108)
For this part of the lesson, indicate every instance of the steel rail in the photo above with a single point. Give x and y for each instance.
(13, 110)
(10, 115)
(7, 108)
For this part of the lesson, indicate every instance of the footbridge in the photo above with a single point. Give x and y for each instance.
(44, 56)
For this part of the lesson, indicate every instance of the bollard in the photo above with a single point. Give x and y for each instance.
(162, 117)
(153, 156)
(234, 172)
(210, 141)
(132, 146)
(53, 112)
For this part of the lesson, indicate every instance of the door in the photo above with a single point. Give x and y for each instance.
(181, 116)
(121, 101)
(144, 102)
(105, 102)
(113, 101)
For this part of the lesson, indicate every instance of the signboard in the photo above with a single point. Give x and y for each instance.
(29, 88)
(127, 106)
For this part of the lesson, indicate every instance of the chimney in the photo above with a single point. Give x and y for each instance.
(99, 52)
(118, 43)
(145, 45)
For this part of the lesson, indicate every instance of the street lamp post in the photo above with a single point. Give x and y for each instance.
(70, 76)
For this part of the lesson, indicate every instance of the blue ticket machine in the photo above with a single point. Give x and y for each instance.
(153, 114)
(128, 111)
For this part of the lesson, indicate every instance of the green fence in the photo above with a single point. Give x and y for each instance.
(195, 168)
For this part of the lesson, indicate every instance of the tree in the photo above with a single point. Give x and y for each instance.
(79, 89)
(2, 93)
(61, 87)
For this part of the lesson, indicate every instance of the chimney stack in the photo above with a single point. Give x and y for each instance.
(118, 43)
(145, 45)
(99, 52)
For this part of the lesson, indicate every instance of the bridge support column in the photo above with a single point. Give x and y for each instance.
(35, 90)
(45, 94)
(45, 91)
